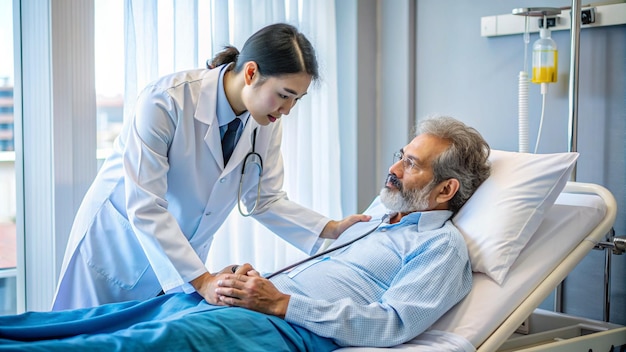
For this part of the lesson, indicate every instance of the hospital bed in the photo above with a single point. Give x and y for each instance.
(505, 317)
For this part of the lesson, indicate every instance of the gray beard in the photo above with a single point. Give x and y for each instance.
(406, 201)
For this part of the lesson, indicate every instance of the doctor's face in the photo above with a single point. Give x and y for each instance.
(269, 98)
(410, 185)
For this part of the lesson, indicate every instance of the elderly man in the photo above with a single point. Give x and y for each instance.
(381, 290)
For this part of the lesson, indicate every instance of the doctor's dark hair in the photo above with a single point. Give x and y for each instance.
(466, 159)
(277, 49)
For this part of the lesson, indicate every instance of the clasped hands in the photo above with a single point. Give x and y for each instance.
(244, 288)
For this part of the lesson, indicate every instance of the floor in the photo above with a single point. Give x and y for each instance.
(7, 245)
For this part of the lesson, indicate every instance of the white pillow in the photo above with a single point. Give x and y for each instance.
(506, 210)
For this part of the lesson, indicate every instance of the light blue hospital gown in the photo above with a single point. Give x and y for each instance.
(382, 290)
(387, 287)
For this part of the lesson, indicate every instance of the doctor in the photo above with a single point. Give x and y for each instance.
(147, 221)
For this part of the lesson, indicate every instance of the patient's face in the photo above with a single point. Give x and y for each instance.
(409, 186)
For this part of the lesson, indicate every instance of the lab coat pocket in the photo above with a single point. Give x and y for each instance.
(112, 249)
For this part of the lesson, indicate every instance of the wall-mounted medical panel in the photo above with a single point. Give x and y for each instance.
(597, 16)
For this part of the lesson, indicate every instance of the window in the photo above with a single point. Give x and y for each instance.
(109, 52)
(8, 303)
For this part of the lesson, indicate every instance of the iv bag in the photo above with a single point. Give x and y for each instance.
(545, 58)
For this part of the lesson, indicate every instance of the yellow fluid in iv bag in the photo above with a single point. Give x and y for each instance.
(545, 59)
(546, 74)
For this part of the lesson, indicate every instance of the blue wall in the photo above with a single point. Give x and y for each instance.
(474, 78)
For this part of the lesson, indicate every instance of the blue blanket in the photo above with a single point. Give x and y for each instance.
(176, 322)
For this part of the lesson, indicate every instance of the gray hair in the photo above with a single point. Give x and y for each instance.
(465, 160)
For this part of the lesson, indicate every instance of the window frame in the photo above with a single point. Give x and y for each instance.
(55, 141)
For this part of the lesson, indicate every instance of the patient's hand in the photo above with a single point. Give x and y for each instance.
(335, 228)
(206, 283)
(253, 292)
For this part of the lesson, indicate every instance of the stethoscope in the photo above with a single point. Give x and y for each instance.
(254, 160)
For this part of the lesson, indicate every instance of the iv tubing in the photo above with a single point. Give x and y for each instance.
(522, 111)
(526, 42)
(544, 89)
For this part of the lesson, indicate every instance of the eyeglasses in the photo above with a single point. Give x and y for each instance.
(408, 164)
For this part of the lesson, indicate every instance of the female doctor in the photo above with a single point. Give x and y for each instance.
(146, 223)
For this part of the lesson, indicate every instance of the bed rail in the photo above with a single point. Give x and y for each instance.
(595, 236)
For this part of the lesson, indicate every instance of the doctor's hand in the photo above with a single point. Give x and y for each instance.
(253, 292)
(206, 283)
(236, 269)
(335, 228)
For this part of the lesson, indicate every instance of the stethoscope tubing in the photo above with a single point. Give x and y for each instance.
(259, 164)
(383, 219)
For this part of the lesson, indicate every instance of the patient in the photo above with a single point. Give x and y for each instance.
(382, 290)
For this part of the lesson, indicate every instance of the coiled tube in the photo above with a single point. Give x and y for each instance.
(522, 111)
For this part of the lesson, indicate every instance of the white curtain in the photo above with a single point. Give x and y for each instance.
(173, 35)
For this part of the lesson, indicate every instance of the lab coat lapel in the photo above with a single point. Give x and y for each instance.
(206, 113)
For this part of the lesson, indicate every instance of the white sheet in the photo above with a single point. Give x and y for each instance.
(471, 321)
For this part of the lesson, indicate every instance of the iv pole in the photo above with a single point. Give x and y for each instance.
(574, 56)
(573, 80)
(573, 107)
(573, 120)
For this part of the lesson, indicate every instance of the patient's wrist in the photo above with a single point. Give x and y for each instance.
(281, 306)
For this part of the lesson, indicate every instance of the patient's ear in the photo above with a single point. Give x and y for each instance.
(447, 190)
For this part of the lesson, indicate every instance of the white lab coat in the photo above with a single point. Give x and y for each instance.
(148, 220)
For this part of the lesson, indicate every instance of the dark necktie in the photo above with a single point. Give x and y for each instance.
(228, 141)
